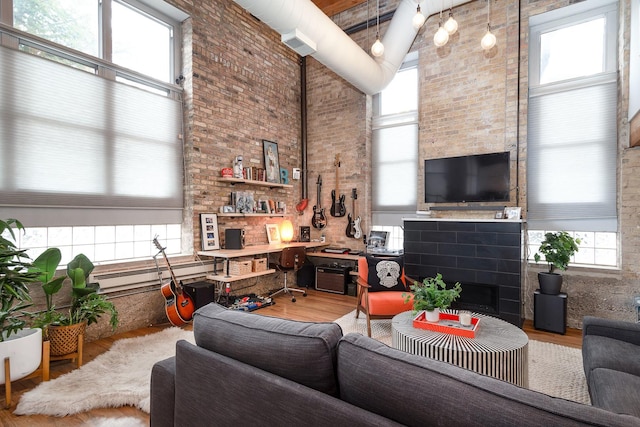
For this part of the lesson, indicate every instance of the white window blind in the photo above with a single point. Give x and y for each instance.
(71, 140)
(571, 159)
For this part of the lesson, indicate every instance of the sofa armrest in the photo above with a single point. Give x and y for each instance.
(163, 381)
(616, 329)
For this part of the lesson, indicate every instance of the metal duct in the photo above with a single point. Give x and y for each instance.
(336, 50)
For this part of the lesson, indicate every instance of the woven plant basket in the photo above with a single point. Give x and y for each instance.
(64, 339)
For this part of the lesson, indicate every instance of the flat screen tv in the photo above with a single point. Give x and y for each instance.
(476, 178)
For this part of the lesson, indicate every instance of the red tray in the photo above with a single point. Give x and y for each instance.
(448, 324)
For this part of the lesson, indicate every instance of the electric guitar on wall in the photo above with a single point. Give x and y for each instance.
(319, 220)
(179, 306)
(353, 227)
(337, 206)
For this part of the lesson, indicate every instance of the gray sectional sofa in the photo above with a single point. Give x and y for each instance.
(250, 369)
(611, 359)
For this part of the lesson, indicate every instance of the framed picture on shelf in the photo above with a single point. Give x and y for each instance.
(210, 236)
(512, 213)
(273, 233)
(271, 161)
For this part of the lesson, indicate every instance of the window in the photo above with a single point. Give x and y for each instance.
(395, 152)
(572, 129)
(137, 39)
(89, 164)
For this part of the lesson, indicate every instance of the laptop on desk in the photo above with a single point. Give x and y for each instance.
(378, 244)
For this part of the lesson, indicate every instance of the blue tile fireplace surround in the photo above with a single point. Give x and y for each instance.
(485, 256)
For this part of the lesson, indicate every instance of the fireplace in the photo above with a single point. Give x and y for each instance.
(485, 256)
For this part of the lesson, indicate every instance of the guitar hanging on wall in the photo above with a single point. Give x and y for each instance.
(353, 227)
(337, 206)
(319, 220)
(179, 307)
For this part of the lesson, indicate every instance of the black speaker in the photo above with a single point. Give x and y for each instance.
(332, 279)
(201, 293)
(234, 238)
(305, 277)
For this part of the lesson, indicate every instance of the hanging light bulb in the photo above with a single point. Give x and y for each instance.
(377, 49)
(418, 19)
(451, 25)
(488, 40)
(441, 37)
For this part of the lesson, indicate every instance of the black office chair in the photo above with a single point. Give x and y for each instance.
(291, 259)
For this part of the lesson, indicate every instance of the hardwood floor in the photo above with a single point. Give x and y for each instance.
(316, 307)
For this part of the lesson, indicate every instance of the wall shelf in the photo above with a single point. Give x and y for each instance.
(233, 181)
(238, 214)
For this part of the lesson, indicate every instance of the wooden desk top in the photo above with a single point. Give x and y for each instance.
(259, 249)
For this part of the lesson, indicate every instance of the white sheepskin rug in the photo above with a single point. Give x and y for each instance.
(119, 377)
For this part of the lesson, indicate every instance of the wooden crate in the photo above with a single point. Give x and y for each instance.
(259, 264)
(239, 267)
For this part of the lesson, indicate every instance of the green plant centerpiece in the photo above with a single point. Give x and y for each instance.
(20, 344)
(558, 248)
(432, 295)
(86, 306)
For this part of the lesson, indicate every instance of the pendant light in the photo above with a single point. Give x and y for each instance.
(377, 49)
(451, 25)
(418, 19)
(441, 37)
(488, 40)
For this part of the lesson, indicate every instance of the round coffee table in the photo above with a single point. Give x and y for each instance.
(499, 348)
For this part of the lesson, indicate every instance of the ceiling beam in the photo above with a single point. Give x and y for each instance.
(333, 7)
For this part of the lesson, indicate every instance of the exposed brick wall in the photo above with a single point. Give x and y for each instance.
(242, 86)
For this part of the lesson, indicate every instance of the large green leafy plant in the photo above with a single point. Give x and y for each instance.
(557, 248)
(432, 293)
(86, 303)
(16, 274)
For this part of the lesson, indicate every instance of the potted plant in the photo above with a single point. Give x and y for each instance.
(23, 346)
(432, 295)
(557, 248)
(62, 327)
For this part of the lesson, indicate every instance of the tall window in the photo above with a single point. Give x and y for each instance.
(395, 152)
(572, 128)
(90, 164)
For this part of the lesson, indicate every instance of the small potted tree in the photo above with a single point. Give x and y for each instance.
(63, 327)
(432, 295)
(22, 345)
(557, 248)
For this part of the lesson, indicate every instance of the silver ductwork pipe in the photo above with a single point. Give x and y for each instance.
(303, 25)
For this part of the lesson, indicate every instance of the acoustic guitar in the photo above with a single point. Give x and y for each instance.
(319, 220)
(337, 204)
(353, 226)
(179, 306)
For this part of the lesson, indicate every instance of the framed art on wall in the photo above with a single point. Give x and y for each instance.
(210, 236)
(271, 161)
(512, 213)
(273, 233)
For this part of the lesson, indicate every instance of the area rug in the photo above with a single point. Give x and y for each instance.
(554, 369)
(121, 376)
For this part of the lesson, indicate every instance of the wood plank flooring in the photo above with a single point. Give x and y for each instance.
(316, 307)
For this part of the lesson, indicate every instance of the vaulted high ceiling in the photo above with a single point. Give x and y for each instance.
(332, 7)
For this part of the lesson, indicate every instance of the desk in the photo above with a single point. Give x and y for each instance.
(227, 254)
(499, 349)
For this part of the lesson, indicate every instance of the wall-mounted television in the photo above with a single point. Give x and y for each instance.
(476, 178)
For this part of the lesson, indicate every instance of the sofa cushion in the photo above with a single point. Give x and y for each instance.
(604, 352)
(300, 351)
(615, 391)
(215, 390)
(417, 390)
